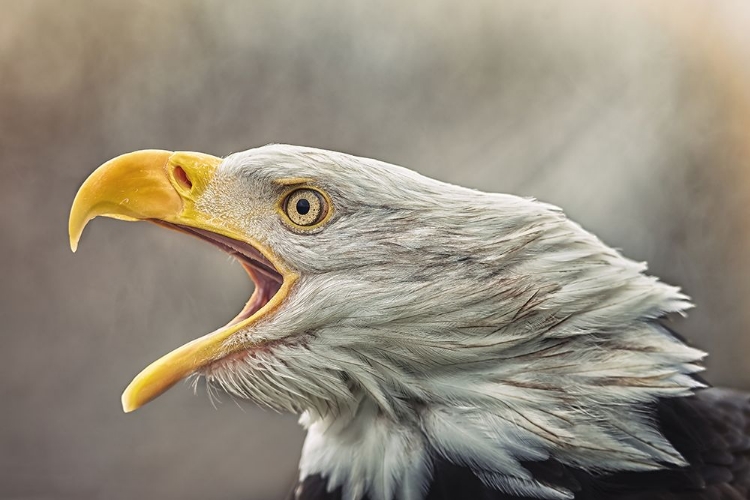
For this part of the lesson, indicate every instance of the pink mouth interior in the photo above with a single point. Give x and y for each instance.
(262, 272)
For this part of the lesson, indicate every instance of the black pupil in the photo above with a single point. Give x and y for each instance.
(303, 206)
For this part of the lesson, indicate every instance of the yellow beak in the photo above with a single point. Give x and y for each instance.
(162, 186)
(148, 184)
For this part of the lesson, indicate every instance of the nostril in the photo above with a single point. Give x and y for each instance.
(181, 176)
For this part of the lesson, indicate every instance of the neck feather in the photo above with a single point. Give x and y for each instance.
(559, 354)
(494, 334)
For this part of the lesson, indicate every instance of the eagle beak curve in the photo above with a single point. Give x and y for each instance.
(143, 185)
(154, 185)
(133, 186)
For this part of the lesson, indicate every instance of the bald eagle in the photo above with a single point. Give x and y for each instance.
(438, 342)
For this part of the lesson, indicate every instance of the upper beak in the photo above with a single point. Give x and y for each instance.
(148, 184)
(161, 185)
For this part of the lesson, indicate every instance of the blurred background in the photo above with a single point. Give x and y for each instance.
(633, 116)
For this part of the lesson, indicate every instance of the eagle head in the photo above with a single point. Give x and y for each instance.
(409, 320)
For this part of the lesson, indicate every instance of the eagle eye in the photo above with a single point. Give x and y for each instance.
(305, 207)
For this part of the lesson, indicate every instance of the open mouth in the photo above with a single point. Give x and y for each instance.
(162, 187)
(230, 342)
(267, 279)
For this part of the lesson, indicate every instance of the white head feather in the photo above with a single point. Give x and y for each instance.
(432, 320)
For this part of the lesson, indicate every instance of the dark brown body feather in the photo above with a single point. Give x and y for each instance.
(711, 430)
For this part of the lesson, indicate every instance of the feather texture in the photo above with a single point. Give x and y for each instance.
(447, 325)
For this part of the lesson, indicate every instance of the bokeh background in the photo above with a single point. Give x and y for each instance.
(632, 115)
